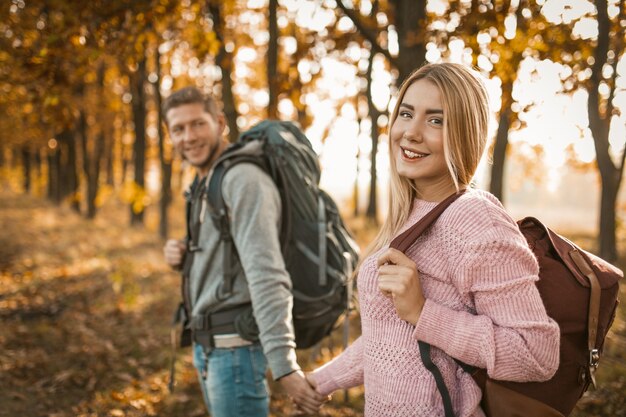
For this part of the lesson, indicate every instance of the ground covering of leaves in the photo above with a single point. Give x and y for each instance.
(85, 311)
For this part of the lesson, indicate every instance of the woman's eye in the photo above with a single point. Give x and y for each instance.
(437, 122)
(405, 114)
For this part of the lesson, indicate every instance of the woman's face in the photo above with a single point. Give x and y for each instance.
(417, 139)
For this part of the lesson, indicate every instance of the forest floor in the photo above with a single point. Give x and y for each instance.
(85, 313)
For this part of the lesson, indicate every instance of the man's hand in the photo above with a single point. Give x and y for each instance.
(398, 278)
(302, 393)
(174, 251)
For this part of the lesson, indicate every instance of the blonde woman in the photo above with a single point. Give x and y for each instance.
(466, 287)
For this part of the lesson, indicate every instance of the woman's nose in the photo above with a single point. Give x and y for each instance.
(412, 135)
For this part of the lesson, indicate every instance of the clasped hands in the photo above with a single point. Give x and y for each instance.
(398, 279)
(301, 389)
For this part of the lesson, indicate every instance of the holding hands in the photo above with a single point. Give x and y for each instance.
(398, 279)
(301, 390)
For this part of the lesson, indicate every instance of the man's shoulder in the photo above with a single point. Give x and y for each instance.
(243, 173)
(248, 181)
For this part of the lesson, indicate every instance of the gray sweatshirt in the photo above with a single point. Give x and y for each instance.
(254, 207)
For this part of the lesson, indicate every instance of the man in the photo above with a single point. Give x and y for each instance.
(232, 369)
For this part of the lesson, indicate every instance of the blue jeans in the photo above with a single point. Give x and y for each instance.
(233, 380)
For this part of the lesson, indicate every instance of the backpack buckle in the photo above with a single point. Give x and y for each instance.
(194, 248)
(594, 358)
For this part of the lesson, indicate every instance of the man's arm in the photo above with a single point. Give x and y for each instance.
(255, 208)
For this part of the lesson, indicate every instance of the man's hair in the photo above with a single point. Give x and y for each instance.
(189, 95)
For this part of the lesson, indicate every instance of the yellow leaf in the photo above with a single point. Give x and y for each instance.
(118, 396)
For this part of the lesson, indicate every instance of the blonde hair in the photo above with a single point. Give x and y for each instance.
(466, 117)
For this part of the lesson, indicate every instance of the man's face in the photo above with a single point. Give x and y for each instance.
(196, 134)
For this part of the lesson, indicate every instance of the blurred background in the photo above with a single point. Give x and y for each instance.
(90, 185)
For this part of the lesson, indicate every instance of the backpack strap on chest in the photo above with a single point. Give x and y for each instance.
(402, 243)
(214, 198)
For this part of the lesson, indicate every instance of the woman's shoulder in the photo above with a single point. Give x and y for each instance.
(475, 197)
(478, 210)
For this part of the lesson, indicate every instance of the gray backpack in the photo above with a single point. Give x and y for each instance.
(319, 252)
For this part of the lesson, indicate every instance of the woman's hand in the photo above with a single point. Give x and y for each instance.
(302, 393)
(398, 278)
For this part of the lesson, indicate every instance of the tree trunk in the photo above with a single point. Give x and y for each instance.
(496, 186)
(410, 20)
(374, 114)
(94, 179)
(69, 169)
(166, 162)
(599, 124)
(109, 155)
(26, 166)
(224, 60)
(608, 202)
(92, 170)
(499, 155)
(125, 162)
(54, 174)
(91, 165)
(139, 146)
(82, 127)
(38, 171)
(73, 174)
(272, 61)
(109, 161)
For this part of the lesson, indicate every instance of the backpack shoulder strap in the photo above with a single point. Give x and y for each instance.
(403, 242)
(214, 198)
(434, 370)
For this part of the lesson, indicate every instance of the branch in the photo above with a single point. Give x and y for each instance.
(366, 32)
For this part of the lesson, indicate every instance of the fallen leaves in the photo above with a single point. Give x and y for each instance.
(86, 310)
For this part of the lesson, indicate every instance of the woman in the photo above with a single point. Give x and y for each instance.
(466, 286)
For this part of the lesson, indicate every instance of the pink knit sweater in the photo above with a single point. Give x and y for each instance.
(482, 307)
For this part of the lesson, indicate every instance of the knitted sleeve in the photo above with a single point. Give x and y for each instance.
(344, 371)
(511, 334)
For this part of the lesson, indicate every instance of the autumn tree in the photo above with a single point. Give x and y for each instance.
(219, 12)
(402, 19)
(501, 36)
(602, 88)
(272, 60)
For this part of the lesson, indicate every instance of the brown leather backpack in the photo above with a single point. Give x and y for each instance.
(579, 291)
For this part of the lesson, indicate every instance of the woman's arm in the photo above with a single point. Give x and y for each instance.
(511, 334)
(344, 371)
